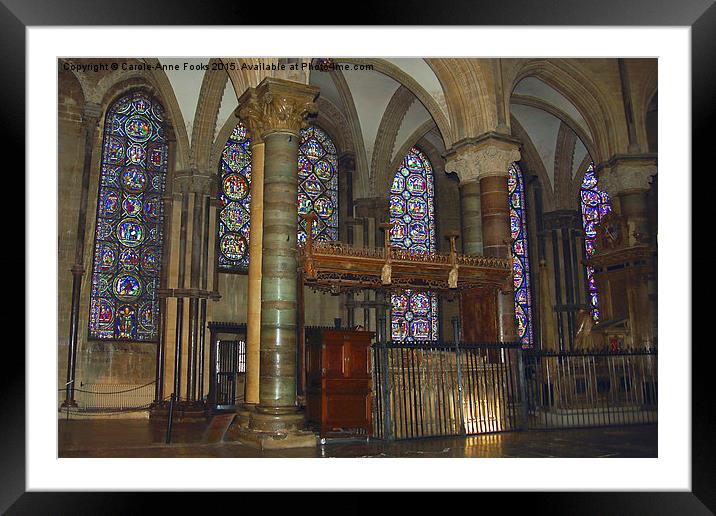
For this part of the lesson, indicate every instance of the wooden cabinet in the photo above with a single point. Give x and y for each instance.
(338, 382)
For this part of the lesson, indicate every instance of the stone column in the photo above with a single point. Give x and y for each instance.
(277, 110)
(253, 319)
(90, 118)
(627, 179)
(471, 217)
(486, 161)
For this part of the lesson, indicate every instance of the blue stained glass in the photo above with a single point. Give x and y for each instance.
(235, 201)
(317, 191)
(595, 205)
(520, 257)
(414, 315)
(318, 163)
(129, 225)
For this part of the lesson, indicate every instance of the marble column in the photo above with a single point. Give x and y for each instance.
(277, 109)
(253, 319)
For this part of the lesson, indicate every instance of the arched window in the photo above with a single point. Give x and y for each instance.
(235, 201)
(520, 257)
(595, 205)
(317, 191)
(414, 315)
(129, 227)
(318, 184)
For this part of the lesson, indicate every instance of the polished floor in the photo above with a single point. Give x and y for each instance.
(142, 438)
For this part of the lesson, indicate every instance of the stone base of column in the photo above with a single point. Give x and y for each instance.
(271, 429)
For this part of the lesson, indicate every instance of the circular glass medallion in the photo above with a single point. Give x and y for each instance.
(129, 259)
(134, 179)
(138, 128)
(130, 232)
(132, 206)
(235, 187)
(135, 153)
(233, 246)
(127, 287)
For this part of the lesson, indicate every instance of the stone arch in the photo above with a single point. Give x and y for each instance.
(390, 123)
(398, 75)
(576, 86)
(469, 93)
(157, 83)
(532, 157)
(207, 113)
(385, 180)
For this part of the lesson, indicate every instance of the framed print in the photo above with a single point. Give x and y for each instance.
(346, 246)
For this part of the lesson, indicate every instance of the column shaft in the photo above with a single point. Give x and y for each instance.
(495, 214)
(471, 218)
(277, 386)
(253, 319)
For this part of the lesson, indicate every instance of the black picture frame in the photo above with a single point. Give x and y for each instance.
(699, 15)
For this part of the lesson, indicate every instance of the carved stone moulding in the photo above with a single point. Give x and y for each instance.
(277, 105)
(627, 173)
(489, 155)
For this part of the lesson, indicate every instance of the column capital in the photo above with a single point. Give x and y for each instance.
(277, 105)
(194, 181)
(627, 173)
(91, 113)
(489, 155)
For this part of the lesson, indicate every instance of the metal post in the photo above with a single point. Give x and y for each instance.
(385, 391)
(170, 417)
(521, 386)
(459, 385)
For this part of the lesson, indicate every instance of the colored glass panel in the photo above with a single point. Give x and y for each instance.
(520, 257)
(318, 184)
(317, 192)
(235, 201)
(414, 315)
(595, 205)
(129, 225)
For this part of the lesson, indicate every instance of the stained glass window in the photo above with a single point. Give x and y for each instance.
(128, 231)
(520, 257)
(317, 192)
(595, 205)
(318, 184)
(414, 315)
(235, 201)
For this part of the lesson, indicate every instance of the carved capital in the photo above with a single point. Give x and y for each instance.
(92, 112)
(486, 158)
(627, 174)
(277, 105)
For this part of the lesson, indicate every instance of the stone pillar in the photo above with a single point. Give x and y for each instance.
(90, 118)
(253, 318)
(486, 160)
(631, 241)
(471, 218)
(277, 110)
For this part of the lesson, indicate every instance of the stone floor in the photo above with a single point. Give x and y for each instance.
(142, 438)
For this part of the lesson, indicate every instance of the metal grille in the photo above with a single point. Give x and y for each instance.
(571, 390)
(230, 372)
(424, 389)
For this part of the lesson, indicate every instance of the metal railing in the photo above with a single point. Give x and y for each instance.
(425, 389)
(569, 390)
(108, 398)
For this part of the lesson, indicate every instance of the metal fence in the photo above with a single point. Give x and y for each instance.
(569, 390)
(424, 389)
